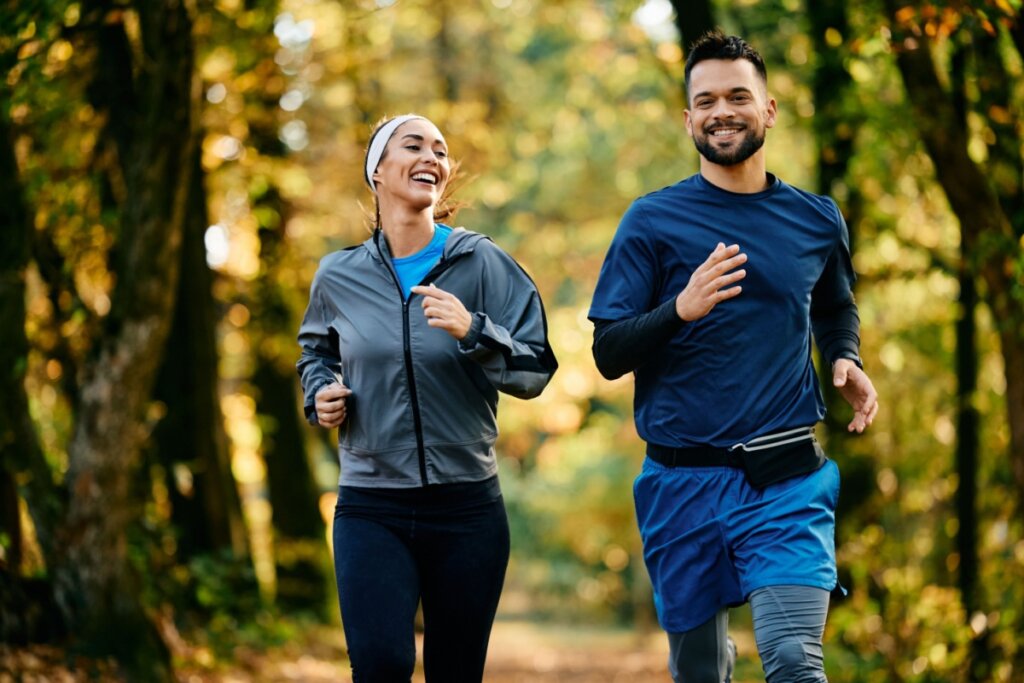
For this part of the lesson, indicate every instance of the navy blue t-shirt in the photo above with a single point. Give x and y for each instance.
(745, 369)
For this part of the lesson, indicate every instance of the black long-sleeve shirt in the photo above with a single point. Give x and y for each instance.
(621, 346)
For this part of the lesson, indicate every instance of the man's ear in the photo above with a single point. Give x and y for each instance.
(772, 113)
(689, 124)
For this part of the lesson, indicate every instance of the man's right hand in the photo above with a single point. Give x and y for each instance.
(709, 284)
(330, 404)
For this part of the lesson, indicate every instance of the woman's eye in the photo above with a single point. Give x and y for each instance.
(414, 148)
(442, 153)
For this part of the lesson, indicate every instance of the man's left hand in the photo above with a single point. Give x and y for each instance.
(855, 386)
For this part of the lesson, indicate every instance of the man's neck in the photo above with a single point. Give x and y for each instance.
(744, 178)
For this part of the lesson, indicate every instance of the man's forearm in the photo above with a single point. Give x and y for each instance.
(621, 346)
(837, 333)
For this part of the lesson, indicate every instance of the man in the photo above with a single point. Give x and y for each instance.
(710, 292)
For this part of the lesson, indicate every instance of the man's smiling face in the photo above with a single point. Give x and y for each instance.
(730, 110)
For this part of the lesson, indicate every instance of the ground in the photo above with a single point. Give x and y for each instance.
(521, 652)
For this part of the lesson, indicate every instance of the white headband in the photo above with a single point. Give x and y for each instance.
(379, 142)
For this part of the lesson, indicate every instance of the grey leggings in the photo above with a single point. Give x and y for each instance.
(788, 625)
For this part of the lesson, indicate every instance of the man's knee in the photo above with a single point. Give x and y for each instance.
(788, 624)
(789, 661)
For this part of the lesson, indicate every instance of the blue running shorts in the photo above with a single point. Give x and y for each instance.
(711, 539)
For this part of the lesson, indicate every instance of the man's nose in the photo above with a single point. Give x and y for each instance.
(722, 109)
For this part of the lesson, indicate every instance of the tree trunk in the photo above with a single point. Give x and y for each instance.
(967, 430)
(1005, 169)
(96, 585)
(10, 523)
(986, 229)
(834, 126)
(21, 456)
(967, 417)
(833, 131)
(830, 84)
(299, 532)
(302, 567)
(190, 441)
(693, 18)
(15, 423)
(303, 575)
(446, 54)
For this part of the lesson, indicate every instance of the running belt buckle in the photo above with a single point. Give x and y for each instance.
(776, 457)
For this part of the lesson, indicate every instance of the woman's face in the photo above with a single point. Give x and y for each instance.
(414, 168)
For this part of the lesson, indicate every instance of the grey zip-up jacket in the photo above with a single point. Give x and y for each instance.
(423, 405)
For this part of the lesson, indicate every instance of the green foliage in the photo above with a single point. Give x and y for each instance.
(222, 583)
(575, 542)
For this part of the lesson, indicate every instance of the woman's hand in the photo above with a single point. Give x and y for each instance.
(444, 310)
(330, 404)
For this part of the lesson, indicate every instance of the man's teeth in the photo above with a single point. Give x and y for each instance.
(725, 131)
(425, 177)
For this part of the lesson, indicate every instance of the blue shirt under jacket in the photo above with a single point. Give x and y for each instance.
(745, 369)
(413, 268)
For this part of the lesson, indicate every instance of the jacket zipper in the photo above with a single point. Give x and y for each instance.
(417, 420)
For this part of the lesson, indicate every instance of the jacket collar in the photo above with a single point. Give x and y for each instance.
(459, 243)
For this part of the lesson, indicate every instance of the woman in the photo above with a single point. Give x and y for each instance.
(425, 324)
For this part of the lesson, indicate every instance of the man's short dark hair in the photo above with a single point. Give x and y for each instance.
(716, 45)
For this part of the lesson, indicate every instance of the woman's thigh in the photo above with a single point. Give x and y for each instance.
(378, 590)
(462, 572)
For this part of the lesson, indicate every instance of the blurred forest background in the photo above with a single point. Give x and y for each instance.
(172, 171)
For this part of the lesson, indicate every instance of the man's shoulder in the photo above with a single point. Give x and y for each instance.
(822, 203)
(673, 192)
(671, 199)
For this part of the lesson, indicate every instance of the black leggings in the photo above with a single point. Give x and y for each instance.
(446, 545)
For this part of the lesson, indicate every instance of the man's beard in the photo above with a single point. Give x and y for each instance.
(736, 154)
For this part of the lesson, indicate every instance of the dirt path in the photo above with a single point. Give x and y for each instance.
(520, 652)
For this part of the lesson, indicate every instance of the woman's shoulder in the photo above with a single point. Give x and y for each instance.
(338, 266)
(480, 245)
(497, 265)
(343, 257)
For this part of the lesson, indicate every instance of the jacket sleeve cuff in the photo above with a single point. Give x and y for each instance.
(468, 342)
(310, 407)
(849, 356)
